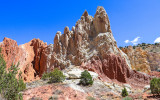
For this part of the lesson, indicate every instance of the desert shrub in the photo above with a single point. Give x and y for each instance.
(127, 98)
(90, 98)
(120, 47)
(45, 76)
(124, 92)
(86, 78)
(156, 44)
(134, 47)
(54, 97)
(143, 44)
(155, 86)
(54, 76)
(10, 86)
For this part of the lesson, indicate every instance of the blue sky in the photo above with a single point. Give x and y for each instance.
(131, 20)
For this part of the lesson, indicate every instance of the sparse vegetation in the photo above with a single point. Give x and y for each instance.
(156, 44)
(86, 78)
(155, 86)
(10, 86)
(134, 47)
(124, 92)
(127, 98)
(54, 97)
(90, 98)
(54, 76)
(120, 47)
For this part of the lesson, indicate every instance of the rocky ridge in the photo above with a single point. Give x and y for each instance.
(144, 57)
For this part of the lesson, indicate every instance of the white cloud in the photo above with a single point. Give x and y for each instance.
(135, 41)
(126, 41)
(157, 40)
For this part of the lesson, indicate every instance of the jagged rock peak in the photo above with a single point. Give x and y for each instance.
(101, 21)
(85, 14)
(91, 36)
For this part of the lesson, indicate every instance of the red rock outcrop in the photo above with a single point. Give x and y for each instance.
(10, 50)
(28, 55)
(115, 68)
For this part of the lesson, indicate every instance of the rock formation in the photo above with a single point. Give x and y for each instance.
(138, 59)
(28, 55)
(144, 57)
(91, 45)
(90, 37)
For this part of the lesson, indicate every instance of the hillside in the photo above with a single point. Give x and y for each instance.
(144, 57)
(89, 45)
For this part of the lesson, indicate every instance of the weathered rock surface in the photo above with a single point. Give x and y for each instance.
(28, 55)
(90, 37)
(144, 57)
(138, 59)
(115, 68)
(91, 45)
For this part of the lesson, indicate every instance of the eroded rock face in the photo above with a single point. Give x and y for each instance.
(144, 57)
(91, 45)
(90, 37)
(28, 55)
(115, 68)
(138, 59)
(9, 50)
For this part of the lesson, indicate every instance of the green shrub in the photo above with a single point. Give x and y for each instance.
(120, 47)
(90, 98)
(134, 47)
(86, 78)
(45, 76)
(10, 86)
(54, 76)
(156, 44)
(127, 98)
(155, 86)
(124, 92)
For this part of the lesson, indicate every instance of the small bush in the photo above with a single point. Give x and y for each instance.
(90, 98)
(127, 98)
(120, 47)
(86, 78)
(155, 86)
(54, 77)
(134, 47)
(45, 76)
(124, 92)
